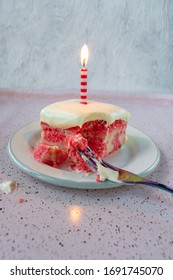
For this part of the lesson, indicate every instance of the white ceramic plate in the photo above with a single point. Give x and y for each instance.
(139, 155)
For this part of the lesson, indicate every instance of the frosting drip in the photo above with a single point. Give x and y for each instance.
(70, 113)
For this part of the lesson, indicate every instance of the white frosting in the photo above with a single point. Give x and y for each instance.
(69, 113)
(107, 173)
(104, 172)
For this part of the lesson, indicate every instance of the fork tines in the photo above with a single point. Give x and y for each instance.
(91, 159)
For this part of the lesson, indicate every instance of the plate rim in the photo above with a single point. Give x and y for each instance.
(75, 184)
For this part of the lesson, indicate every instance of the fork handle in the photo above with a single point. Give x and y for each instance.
(144, 182)
(153, 184)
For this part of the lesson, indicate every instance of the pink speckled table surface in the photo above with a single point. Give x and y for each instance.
(56, 222)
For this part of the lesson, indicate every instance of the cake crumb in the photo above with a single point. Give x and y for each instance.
(8, 186)
(98, 178)
(21, 200)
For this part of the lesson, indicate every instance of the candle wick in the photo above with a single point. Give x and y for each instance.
(84, 63)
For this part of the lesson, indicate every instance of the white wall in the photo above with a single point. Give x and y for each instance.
(130, 43)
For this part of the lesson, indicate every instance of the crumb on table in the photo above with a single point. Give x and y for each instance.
(21, 200)
(8, 186)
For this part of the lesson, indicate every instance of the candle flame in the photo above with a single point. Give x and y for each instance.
(84, 55)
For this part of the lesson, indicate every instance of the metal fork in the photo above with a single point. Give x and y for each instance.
(124, 176)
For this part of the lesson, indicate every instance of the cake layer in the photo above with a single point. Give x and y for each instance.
(102, 138)
(71, 113)
(50, 155)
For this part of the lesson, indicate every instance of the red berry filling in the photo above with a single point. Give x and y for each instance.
(58, 145)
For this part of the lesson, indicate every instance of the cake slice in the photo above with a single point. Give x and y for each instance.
(68, 123)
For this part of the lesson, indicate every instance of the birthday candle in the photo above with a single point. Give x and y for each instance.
(83, 74)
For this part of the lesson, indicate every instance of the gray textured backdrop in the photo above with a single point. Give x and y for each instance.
(130, 43)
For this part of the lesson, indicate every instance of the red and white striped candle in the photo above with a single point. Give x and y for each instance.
(83, 75)
(83, 85)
